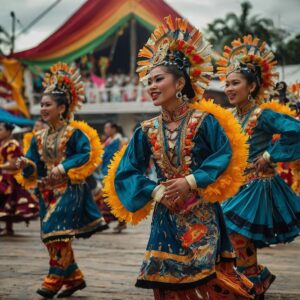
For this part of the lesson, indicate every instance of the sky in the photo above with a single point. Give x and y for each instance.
(285, 14)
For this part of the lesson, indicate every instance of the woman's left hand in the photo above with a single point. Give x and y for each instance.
(55, 174)
(176, 188)
(261, 164)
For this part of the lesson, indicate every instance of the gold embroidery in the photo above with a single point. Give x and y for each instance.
(154, 129)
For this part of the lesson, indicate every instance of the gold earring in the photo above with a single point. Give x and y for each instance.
(179, 95)
(250, 98)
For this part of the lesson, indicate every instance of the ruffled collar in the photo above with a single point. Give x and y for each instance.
(179, 113)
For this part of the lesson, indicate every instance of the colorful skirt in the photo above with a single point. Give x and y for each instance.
(190, 249)
(265, 210)
(16, 204)
(68, 211)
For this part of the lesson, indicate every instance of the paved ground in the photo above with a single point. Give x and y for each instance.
(110, 263)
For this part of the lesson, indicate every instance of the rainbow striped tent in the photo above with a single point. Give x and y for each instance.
(95, 27)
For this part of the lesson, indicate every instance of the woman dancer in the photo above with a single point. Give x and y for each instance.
(265, 211)
(189, 255)
(59, 159)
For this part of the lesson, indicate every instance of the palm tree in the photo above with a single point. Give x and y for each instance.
(222, 31)
(288, 53)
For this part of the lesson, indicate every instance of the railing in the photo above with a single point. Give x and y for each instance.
(127, 99)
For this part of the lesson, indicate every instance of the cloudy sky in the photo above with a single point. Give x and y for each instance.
(285, 14)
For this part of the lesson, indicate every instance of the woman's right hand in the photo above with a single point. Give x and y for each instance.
(168, 203)
(173, 205)
(21, 163)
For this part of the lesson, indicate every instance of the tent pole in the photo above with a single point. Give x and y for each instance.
(133, 49)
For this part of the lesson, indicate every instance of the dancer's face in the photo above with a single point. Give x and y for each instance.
(4, 133)
(237, 88)
(50, 110)
(162, 87)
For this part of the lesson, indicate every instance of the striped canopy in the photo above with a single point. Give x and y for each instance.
(91, 26)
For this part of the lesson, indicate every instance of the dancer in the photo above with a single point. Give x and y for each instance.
(16, 204)
(265, 211)
(189, 255)
(58, 160)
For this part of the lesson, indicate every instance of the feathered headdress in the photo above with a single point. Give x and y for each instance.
(67, 81)
(180, 44)
(250, 55)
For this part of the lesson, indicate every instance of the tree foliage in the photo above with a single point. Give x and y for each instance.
(222, 31)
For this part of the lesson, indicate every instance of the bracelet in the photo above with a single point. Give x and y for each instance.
(266, 156)
(191, 181)
(158, 193)
(61, 169)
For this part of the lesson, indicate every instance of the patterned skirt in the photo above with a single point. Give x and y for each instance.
(189, 250)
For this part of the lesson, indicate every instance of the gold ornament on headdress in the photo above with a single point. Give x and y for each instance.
(65, 80)
(180, 44)
(250, 54)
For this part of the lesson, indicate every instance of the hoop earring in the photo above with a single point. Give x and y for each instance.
(179, 95)
(61, 117)
(250, 98)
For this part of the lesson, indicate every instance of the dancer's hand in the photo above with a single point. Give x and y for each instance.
(55, 174)
(21, 163)
(261, 164)
(168, 203)
(176, 188)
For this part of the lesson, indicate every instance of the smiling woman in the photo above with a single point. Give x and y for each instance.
(265, 211)
(57, 162)
(188, 255)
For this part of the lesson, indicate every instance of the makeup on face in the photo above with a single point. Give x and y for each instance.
(237, 88)
(161, 86)
(50, 111)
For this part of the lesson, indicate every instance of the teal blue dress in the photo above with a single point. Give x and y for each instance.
(265, 209)
(67, 210)
(185, 247)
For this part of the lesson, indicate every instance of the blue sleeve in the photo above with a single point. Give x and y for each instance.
(287, 148)
(134, 189)
(78, 150)
(218, 152)
(36, 164)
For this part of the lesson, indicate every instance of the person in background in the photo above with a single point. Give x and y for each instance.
(16, 204)
(112, 144)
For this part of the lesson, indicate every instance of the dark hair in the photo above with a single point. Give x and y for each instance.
(253, 77)
(187, 89)
(8, 126)
(112, 125)
(60, 99)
